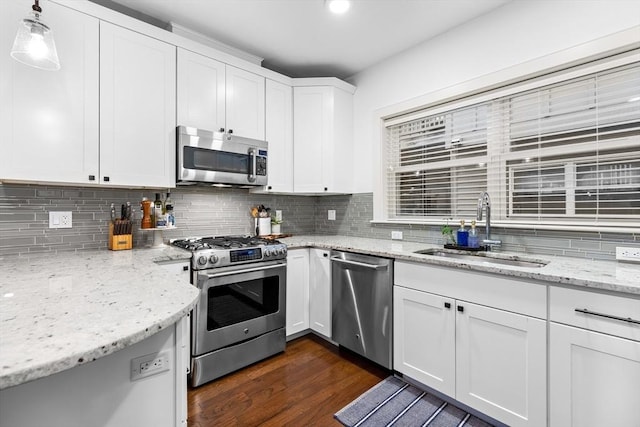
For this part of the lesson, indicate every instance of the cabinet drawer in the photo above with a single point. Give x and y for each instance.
(506, 293)
(563, 304)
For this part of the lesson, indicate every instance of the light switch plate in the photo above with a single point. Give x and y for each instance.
(396, 235)
(331, 215)
(60, 219)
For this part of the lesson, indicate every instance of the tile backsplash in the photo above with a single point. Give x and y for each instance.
(24, 220)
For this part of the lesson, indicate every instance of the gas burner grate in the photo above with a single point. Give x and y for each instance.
(222, 242)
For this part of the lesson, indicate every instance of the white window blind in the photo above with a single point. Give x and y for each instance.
(562, 153)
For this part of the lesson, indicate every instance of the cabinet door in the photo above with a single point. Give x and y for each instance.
(424, 338)
(311, 115)
(320, 291)
(279, 134)
(322, 138)
(49, 119)
(594, 378)
(338, 150)
(297, 291)
(501, 364)
(245, 103)
(201, 91)
(137, 109)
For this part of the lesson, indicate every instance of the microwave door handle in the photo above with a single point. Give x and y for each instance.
(253, 162)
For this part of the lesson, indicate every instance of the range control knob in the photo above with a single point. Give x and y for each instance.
(267, 253)
(213, 259)
(281, 251)
(202, 260)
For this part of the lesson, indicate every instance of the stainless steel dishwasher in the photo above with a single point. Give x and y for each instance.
(362, 289)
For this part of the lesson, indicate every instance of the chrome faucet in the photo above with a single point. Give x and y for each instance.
(484, 201)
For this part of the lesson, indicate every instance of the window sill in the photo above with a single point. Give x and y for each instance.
(601, 227)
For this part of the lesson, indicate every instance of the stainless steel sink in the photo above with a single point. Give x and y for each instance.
(484, 257)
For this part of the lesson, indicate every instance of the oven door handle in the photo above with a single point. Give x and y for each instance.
(248, 270)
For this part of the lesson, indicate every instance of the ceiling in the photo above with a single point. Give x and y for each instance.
(301, 38)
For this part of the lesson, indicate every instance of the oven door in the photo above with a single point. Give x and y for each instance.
(238, 303)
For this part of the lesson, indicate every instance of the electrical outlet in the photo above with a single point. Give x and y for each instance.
(331, 215)
(396, 235)
(60, 219)
(150, 364)
(628, 254)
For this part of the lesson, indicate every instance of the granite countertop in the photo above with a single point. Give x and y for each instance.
(60, 311)
(602, 275)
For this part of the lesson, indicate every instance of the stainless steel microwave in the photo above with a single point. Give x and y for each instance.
(217, 158)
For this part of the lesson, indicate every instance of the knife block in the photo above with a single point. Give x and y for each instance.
(119, 242)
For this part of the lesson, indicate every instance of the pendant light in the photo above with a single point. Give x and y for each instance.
(34, 43)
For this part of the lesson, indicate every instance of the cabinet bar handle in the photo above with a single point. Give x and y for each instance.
(461, 309)
(608, 316)
(447, 305)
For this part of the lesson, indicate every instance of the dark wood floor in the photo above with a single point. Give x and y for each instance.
(304, 386)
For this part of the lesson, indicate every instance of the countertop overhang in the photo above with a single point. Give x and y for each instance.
(61, 311)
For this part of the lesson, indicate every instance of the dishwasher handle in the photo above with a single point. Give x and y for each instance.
(359, 264)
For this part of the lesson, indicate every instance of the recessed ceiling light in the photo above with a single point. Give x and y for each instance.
(339, 6)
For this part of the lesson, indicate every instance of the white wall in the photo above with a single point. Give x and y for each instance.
(509, 39)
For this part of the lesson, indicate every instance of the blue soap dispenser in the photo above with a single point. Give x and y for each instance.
(462, 235)
(474, 240)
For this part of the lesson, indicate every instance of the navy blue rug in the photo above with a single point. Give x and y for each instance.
(393, 402)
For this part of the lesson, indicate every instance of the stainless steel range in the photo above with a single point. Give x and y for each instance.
(240, 316)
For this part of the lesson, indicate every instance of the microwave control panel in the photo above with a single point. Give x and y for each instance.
(261, 165)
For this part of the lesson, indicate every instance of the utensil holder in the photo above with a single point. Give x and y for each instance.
(264, 226)
(119, 242)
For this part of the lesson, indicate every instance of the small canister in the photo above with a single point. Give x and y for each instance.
(264, 226)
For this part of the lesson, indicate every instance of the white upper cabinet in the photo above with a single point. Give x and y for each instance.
(201, 91)
(245, 103)
(323, 140)
(218, 97)
(137, 109)
(279, 135)
(49, 119)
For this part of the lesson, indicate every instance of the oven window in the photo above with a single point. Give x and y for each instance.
(215, 160)
(238, 302)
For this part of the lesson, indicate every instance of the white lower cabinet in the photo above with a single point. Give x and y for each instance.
(594, 379)
(501, 364)
(487, 356)
(297, 316)
(594, 360)
(414, 343)
(320, 291)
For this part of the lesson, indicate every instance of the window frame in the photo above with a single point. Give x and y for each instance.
(495, 184)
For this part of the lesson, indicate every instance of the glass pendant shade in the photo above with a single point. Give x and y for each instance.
(34, 44)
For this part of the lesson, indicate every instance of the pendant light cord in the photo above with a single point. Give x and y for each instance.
(36, 6)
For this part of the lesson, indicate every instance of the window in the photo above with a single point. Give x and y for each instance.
(561, 153)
